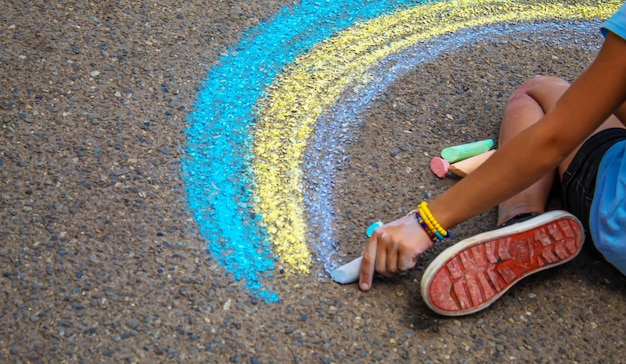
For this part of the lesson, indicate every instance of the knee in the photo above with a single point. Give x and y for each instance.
(542, 82)
(537, 83)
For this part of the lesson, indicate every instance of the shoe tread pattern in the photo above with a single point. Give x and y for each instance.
(479, 274)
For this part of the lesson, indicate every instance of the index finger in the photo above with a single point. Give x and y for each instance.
(368, 264)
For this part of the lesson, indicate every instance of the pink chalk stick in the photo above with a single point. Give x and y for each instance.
(440, 167)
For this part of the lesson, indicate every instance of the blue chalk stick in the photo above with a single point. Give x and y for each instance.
(374, 226)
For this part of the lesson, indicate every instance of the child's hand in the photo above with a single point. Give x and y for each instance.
(393, 248)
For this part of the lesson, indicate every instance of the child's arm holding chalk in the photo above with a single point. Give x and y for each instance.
(596, 94)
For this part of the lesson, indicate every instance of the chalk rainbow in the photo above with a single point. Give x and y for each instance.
(286, 80)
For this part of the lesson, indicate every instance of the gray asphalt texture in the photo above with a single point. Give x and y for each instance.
(101, 261)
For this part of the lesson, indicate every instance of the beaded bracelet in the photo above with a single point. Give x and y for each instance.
(427, 229)
(430, 225)
(424, 210)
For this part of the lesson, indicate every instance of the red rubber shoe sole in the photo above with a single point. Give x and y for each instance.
(470, 275)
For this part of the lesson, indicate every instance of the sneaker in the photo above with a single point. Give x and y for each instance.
(471, 274)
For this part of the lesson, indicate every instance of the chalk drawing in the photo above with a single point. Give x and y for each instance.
(278, 90)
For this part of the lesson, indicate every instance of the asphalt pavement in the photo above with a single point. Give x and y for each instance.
(177, 178)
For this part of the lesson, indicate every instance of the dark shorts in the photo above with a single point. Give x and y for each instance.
(579, 180)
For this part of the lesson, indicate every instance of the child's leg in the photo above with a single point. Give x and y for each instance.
(526, 106)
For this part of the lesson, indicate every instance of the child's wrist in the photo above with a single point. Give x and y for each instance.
(429, 223)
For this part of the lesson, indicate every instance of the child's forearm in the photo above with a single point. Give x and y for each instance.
(504, 174)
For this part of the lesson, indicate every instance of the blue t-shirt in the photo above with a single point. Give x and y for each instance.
(616, 23)
(607, 217)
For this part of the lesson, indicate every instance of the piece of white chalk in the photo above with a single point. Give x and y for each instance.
(347, 273)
